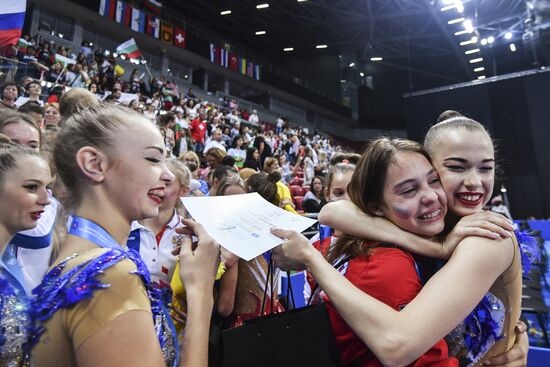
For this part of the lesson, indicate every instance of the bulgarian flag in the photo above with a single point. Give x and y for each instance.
(129, 49)
(64, 60)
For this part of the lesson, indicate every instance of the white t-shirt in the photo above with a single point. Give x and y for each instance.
(157, 256)
(33, 247)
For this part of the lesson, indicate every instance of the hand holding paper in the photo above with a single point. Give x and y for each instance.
(242, 223)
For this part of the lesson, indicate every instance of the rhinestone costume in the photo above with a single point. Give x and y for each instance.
(15, 324)
(61, 290)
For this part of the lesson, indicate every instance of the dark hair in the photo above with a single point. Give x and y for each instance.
(31, 106)
(323, 184)
(228, 161)
(250, 153)
(222, 172)
(5, 85)
(366, 188)
(167, 118)
(234, 142)
(264, 184)
(352, 158)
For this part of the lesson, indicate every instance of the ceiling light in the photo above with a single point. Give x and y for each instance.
(483, 41)
(473, 40)
(225, 12)
(321, 46)
(468, 25)
(259, 33)
(447, 2)
(508, 35)
(454, 21)
(352, 65)
(461, 32)
(262, 6)
(481, 77)
(472, 51)
(479, 59)
(477, 70)
(513, 47)
(301, 1)
(376, 59)
(490, 39)
(287, 49)
(362, 74)
(456, 4)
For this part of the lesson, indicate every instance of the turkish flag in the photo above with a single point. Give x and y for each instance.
(233, 61)
(180, 37)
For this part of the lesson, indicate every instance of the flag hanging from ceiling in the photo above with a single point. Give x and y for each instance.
(107, 8)
(250, 69)
(212, 53)
(138, 20)
(153, 5)
(242, 65)
(152, 27)
(180, 37)
(233, 61)
(129, 49)
(12, 17)
(166, 32)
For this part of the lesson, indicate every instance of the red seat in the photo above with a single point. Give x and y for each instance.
(296, 190)
(298, 202)
(296, 181)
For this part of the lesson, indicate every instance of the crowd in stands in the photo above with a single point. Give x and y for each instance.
(123, 153)
(187, 123)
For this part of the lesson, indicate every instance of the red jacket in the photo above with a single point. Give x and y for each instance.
(389, 275)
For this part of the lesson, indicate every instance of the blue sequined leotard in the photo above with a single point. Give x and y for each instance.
(489, 329)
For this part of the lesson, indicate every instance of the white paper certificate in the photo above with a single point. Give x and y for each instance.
(241, 223)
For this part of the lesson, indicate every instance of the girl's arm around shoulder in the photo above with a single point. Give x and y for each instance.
(444, 301)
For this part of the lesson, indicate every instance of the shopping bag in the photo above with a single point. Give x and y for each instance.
(295, 338)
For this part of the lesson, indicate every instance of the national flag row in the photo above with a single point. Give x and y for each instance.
(233, 61)
(142, 22)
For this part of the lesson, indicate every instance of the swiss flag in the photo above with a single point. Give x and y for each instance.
(180, 38)
(233, 61)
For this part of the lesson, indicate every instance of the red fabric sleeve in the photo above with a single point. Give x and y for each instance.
(390, 276)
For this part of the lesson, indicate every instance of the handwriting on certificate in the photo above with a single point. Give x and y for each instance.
(241, 223)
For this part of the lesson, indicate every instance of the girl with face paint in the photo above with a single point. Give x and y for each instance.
(479, 264)
(393, 179)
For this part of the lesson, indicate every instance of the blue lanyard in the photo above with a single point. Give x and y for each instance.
(93, 232)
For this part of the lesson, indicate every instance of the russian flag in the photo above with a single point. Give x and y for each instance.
(12, 17)
(107, 8)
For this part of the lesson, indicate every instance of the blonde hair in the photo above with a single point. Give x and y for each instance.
(95, 127)
(192, 155)
(268, 163)
(180, 170)
(216, 153)
(76, 100)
